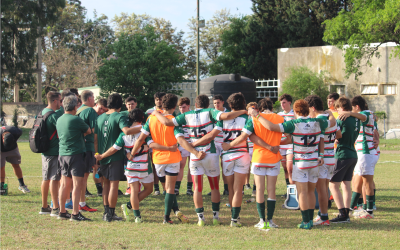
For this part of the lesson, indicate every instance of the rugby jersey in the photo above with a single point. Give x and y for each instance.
(306, 136)
(138, 167)
(150, 110)
(250, 145)
(262, 157)
(232, 129)
(329, 141)
(366, 135)
(163, 135)
(378, 150)
(199, 122)
(287, 117)
(219, 139)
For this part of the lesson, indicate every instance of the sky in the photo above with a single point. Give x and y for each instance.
(177, 11)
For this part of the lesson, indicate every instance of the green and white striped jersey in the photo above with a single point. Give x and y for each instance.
(306, 134)
(287, 117)
(232, 129)
(198, 123)
(366, 135)
(220, 137)
(329, 141)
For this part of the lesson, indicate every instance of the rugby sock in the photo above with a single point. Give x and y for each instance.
(156, 187)
(189, 185)
(374, 196)
(370, 204)
(287, 181)
(106, 207)
(235, 213)
(200, 213)
(311, 214)
(226, 187)
(169, 200)
(215, 209)
(254, 187)
(324, 217)
(270, 208)
(305, 215)
(354, 199)
(347, 212)
(111, 211)
(21, 181)
(261, 210)
(342, 212)
(360, 201)
(177, 185)
(136, 213)
(99, 188)
(82, 204)
(175, 206)
(365, 206)
(2, 185)
(129, 205)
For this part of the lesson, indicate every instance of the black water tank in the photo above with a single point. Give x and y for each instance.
(228, 84)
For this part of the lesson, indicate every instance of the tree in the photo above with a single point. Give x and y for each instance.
(303, 82)
(22, 23)
(369, 21)
(141, 65)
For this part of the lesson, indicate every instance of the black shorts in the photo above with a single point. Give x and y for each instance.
(72, 165)
(344, 170)
(113, 171)
(90, 161)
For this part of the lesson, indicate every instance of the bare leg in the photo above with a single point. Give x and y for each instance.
(346, 188)
(3, 174)
(230, 180)
(289, 165)
(45, 192)
(135, 189)
(113, 194)
(271, 186)
(239, 180)
(197, 190)
(215, 195)
(311, 196)
(106, 191)
(337, 195)
(17, 170)
(322, 196)
(83, 192)
(76, 193)
(65, 189)
(260, 186)
(302, 190)
(54, 187)
(147, 190)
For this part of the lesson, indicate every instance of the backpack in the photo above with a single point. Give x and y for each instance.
(39, 141)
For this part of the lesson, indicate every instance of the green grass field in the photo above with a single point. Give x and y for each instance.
(22, 227)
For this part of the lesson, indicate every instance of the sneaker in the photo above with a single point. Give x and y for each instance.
(100, 194)
(364, 215)
(304, 225)
(189, 192)
(201, 223)
(253, 194)
(138, 220)
(79, 217)
(88, 194)
(262, 225)
(317, 218)
(46, 210)
(271, 224)
(321, 223)
(169, 222)
(340, 219)
(64, 216)
(247, 186)
(356, 212)
(216, 222)
(226, 192)
(182, 218)
(128, 191)
(68, 205)
(55, 212)
(176, 192)
(86, 208)
(125, 211)
(235, 224)
(156, 192)
(209, 194)
(107, 217)
(24, 189)
(120, 192)
(116, 217)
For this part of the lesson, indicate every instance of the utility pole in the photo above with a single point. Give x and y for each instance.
(198, 50)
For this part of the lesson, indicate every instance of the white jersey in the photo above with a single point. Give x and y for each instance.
(329, 141)
(287, 117)
(220, 137)
(366, 135)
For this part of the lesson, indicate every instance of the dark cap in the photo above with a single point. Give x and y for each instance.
(9, 141)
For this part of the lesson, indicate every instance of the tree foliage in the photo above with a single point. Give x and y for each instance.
(141, 65)
(367, 21)
(303, 82)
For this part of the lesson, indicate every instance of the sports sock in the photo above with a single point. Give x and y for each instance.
(156, 187)
(261, 210)
(319, 213)
(106, 207)
(311, 213)
(2, 185)
(189, 186)
(354, 199)
(370, 204)
(99, 188)
(287, 181)
(243, 187)
(306, 216)
(82, 204)
(342, 212)
(270, 208)
(365, 206)
(215, 209)
(111, 211)
(324, 217)
(21, 181)
(129, 205)
(235, 213)
(254, 187)
(347, 212)
(226, 187)
(177, 185)
(136, 213)
(200, 213)
(175, 206)
(374, 196)
(169, 200)
(360, 201)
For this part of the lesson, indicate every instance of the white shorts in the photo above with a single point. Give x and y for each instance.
(326, 171)
(170, 168)
(251, 152)
(240, 165)
(208, 166)
(184, 152)
(285, 152)
(218, 148)
(272, 169)
(305, 175)
(148, 179)
(365, 164)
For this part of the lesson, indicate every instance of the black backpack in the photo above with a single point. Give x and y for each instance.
(38, 139)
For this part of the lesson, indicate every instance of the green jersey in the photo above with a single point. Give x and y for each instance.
(70, 131)
(350, 129)
(89, 116)
(60, 111)
(108, 128)
(51, 123)
(125, 113)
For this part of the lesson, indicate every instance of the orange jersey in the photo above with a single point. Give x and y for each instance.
(260, 154)
(163, 135)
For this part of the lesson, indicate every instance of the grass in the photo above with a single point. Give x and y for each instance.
(25, 134)
(22, 226)
(389, 144)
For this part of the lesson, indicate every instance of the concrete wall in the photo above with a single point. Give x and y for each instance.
(330, 59)
(26, 112)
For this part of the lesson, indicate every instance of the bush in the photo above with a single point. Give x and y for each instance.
(303, 82)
